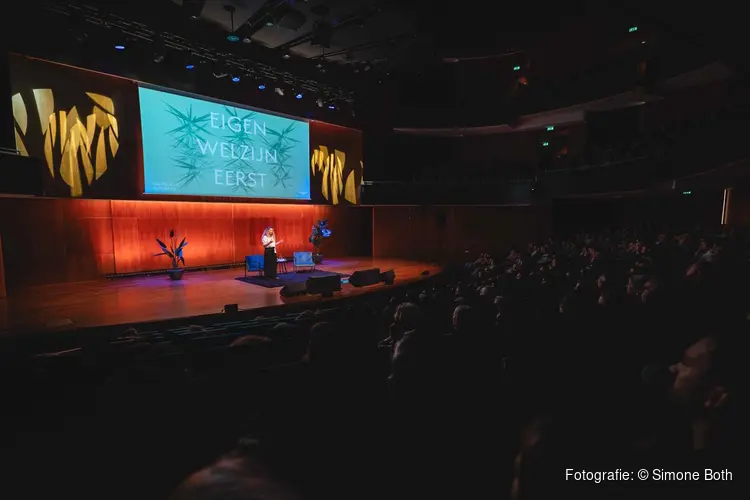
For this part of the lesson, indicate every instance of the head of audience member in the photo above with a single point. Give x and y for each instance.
(408, 317)
(704, 387)
(701, 376)
(466, 321)
(237, 476)
(535, 464)
(324, 348)
(652, 290)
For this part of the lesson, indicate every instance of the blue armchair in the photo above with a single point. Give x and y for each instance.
(254, 263)
(303, 260)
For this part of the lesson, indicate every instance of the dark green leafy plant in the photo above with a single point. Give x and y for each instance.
(173, 250)
(320, 231)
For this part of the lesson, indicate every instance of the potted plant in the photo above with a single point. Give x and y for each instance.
(319, 232)
(174, 252)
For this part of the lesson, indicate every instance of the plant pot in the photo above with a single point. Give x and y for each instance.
(318, 258)
(175, 274)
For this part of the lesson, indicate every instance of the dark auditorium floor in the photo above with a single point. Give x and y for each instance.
(154, 298)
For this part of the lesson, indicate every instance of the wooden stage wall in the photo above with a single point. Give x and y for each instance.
(57, 240)
(46, 240)
(443, 233)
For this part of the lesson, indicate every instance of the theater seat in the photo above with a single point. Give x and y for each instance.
(303, 260)
(254, 263)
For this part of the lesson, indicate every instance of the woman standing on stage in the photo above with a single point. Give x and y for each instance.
(269, 254)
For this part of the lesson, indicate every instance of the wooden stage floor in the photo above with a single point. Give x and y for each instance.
(155, 298)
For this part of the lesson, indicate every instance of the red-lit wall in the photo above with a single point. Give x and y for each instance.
(65, 240)
(444, 233)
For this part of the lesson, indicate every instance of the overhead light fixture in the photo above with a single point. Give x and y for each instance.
(190, 66)
(286, 55)
(319, 102)
(261, 87)
(232, 36)
(236, 79)
(279, 91)
(247, 39)
(119, 47)
(298, 96)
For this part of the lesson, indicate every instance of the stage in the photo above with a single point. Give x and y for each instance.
(127, 301)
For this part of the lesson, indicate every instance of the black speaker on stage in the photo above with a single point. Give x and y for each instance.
(294, 289)
(324, 285)
(388, 277)
(366, 277)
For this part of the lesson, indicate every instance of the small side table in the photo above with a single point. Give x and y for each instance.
(281, 263)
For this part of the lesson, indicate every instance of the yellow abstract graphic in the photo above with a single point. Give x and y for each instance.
(81, 149)
(332, 167)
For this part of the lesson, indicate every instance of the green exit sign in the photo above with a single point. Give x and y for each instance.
(633, 29)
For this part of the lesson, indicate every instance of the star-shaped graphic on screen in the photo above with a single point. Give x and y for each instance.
(281, 175)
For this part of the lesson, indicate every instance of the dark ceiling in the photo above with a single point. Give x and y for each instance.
(428, 59)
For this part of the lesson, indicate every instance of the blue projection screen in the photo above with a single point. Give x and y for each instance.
(196, 147)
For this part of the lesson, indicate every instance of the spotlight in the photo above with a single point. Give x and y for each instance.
(247, 39)
(233, 38)
(279, 91)
(119, 47)
(261, 87)
(319, 102)
(299, 95)
(189, 66)
(236, 79)
(286, 55)
(331, 106)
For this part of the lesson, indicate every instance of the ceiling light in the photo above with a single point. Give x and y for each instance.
(299, 95)
(261, 87)
(236, 79)
(119, 47)
(233, 38)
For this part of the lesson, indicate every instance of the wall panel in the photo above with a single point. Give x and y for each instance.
(48, 240)
(55, 240)
(444, 233)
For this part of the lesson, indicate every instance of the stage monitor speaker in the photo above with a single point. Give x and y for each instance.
(366, 277)
(294, 289)
(388, 277)
(324, 285)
